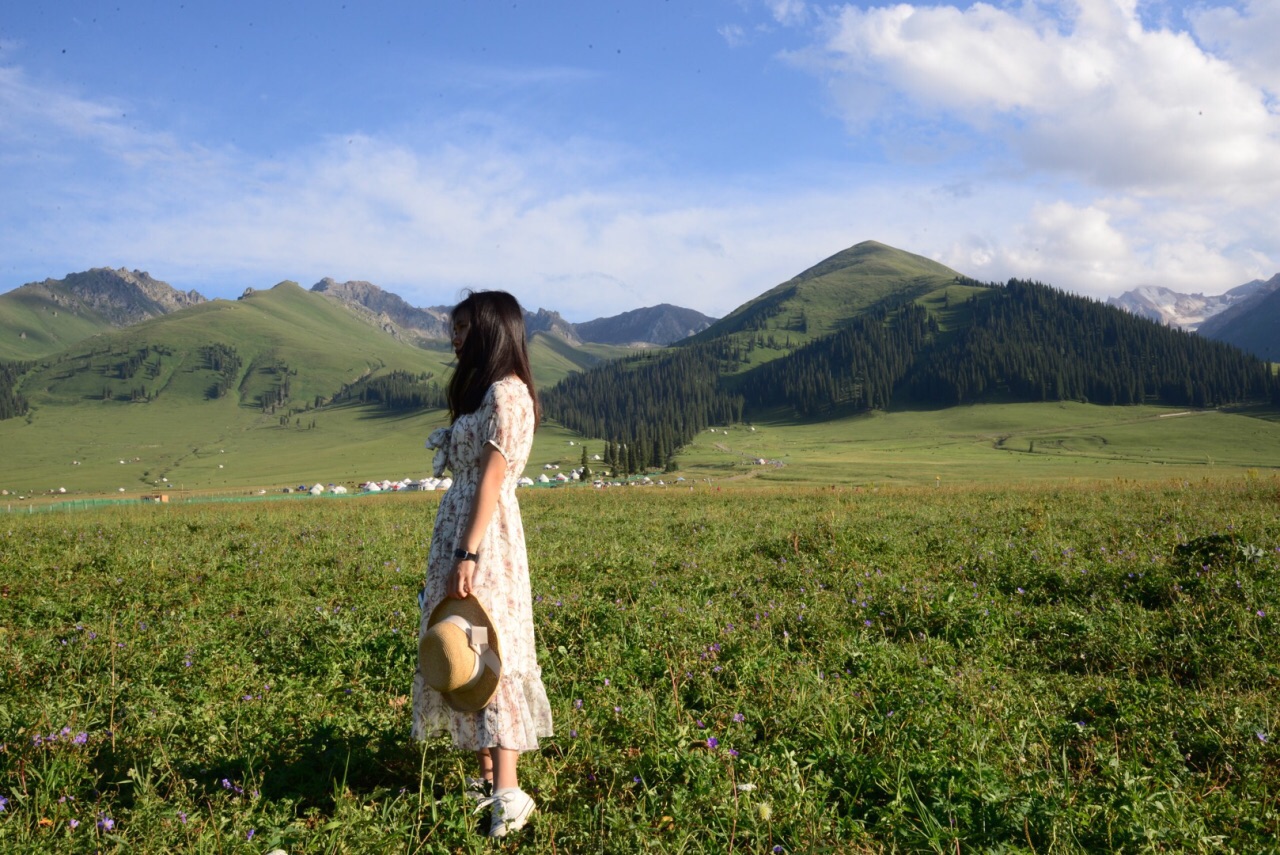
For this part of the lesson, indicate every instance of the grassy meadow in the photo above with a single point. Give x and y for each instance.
(1063, 442)
(1049, 669)
(222, 447)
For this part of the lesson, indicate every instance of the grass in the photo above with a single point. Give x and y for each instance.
(1034, 669)
(993, 443)
(220, 446)
(48, 327)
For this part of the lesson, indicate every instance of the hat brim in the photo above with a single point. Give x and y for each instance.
(476, 696)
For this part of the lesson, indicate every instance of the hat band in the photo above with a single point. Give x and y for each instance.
(478, 641)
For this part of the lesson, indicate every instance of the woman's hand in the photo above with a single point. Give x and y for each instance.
(460, 583)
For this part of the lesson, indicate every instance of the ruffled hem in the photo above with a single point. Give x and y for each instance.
(516, 718)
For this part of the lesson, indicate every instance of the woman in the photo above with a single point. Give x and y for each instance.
(478, 549)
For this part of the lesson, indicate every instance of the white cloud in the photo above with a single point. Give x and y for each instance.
(789, 13)
(1063, 145)
(576, 225)
(1247, 37)
(1141, 153)
(1096, 96)
(734, 35)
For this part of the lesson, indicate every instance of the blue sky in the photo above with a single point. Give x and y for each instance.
(595, 157)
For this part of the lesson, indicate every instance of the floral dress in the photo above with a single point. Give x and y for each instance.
(519, 712)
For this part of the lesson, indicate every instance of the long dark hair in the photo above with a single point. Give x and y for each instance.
(495, 347)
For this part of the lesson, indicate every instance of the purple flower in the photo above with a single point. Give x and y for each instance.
(778, 850)
(249, 835)
(4, 804)
(577, 703)
(712, 742)
(106, 823)
(1262, 737)
(74, 823)
(739, 717)
(81, 738)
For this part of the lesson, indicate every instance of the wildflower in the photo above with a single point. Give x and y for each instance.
(81, 738)
(249, 835)
(577, 703)
(1261, 613)
(106, 823)
(778, 850)
(4, 804)
(1262, 737)
(712, 742)
(74, 823)
(182, 817)
(739, 717)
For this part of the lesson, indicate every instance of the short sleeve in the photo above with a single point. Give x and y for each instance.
(510, 416)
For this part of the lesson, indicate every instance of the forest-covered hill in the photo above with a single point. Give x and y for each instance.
(935, 340)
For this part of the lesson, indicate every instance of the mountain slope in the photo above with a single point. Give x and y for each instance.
(923, 338)
(40, 318)
(1255, 327)
(389, 312)
(817, 301)
(662, 324)
(252, 348)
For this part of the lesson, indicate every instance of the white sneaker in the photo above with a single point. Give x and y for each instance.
(512, 808)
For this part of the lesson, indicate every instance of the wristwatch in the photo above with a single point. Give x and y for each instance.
(461, 554)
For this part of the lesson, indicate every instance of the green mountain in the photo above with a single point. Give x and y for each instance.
(873, 328)
(277, 350)
(277, 383)
(41, 318)
(823, 298)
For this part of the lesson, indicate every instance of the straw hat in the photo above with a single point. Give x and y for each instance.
(459, 654)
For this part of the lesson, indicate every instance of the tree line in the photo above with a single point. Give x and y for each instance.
(858, 367)
(1023, 341)
(647, 406)
(1035, 343)
(397, 390)
(12, 403)
(222, 359)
